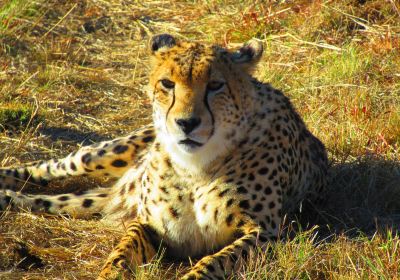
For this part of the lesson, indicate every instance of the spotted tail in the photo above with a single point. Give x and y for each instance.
(87, 204)
(109, 158)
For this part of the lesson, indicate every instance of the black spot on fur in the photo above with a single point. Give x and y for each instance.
(244, 204)
(221, 194)
(119, 149)
(164, 189)
(270, 160)
(38, 201)
(46, 204)
(229, 219)
(229, 202)
(73, 166)
(263, 171)
(258, 207)
(148, 139)
(86, 158)
(119, 163)
(63, 198)
(116, 260)
(87, 203)
(271, 205)
(216, 215)
(174, 212)
(240, 224)
(242, 190)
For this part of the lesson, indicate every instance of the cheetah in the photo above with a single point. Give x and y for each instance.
(225, 158)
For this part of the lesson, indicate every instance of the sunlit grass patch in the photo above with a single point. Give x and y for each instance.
(340, 257)
(11, 12)
(346, 66)
(18, 116)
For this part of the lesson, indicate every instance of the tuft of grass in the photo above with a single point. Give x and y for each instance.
(12, 11)
(339, 67)
(18, 116)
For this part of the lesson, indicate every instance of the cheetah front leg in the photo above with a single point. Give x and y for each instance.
(138, 246)
(222, 263)
(111, 158)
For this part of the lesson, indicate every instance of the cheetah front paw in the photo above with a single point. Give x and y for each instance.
(113, 270)
(201, 274)
(194, 276)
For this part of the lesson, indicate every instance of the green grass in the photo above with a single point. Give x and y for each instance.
(346, 66)
(338, 61)
(18, 117)
(9, 11)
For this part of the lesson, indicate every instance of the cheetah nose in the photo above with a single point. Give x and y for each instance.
(188, 125)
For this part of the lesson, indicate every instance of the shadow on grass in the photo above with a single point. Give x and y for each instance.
(72, 135)
(362, 197)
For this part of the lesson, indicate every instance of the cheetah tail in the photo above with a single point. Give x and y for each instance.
(84, 204)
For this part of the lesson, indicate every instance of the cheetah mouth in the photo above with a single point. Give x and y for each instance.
(189, 143)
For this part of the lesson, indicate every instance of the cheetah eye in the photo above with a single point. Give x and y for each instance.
(214, 86)
(167, 84)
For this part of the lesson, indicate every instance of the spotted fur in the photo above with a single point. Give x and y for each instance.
(226, 157)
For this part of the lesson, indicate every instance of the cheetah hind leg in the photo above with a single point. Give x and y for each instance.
(137, 247)
(84, 205)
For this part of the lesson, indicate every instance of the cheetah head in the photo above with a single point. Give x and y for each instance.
(200, 97)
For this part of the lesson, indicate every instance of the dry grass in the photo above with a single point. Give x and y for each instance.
(73, 71)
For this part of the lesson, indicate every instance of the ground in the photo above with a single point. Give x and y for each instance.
(72, 73)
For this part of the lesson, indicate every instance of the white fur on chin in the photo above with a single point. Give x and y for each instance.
(195, 162)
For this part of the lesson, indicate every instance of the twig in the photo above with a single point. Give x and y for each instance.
(27, 80)
(395, 7)
(54, 26)
(320, 45)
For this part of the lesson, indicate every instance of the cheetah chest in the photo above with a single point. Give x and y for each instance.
(186, 216)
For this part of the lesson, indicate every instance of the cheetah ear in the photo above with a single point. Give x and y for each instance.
(161, 41)
(249, 53)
